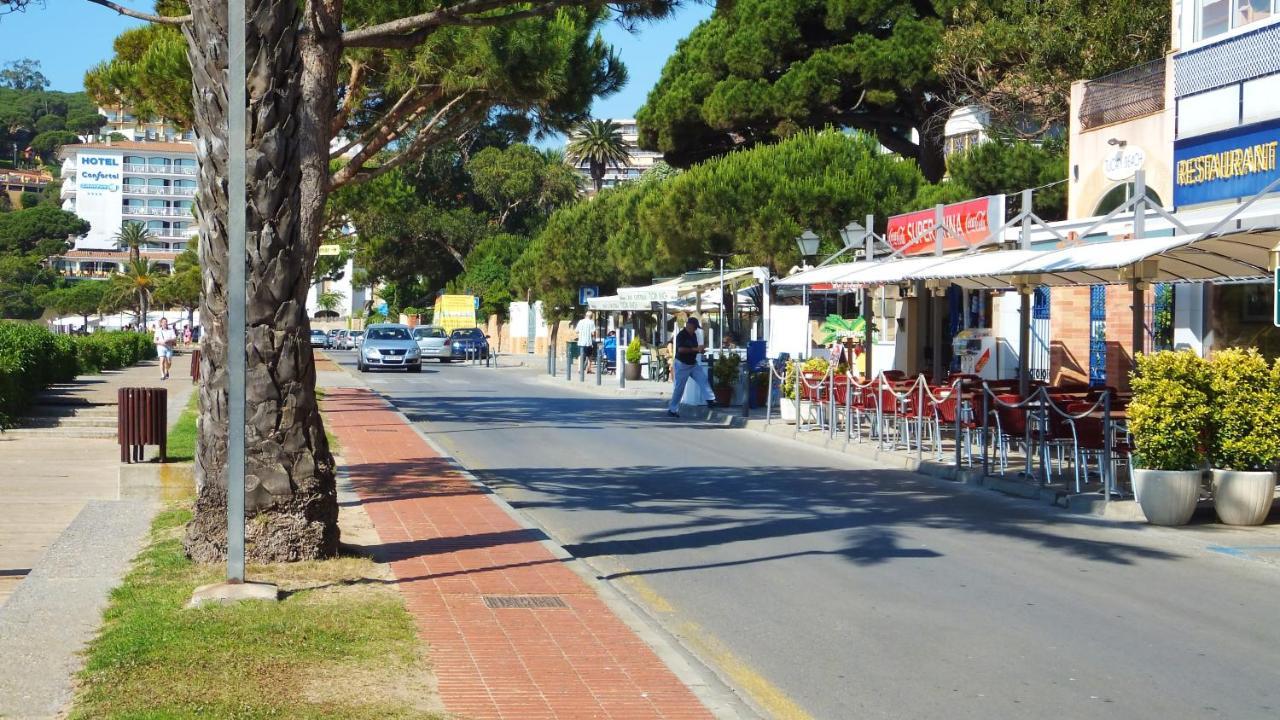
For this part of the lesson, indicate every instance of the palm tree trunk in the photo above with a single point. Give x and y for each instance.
(290, 496)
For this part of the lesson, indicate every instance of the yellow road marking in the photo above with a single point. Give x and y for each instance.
(767, 696)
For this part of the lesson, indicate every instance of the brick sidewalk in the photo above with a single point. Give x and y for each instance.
(450, 546)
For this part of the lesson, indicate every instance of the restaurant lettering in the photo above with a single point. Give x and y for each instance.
(1228, 164)
(1234, 163)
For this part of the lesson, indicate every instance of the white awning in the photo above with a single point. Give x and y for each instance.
(889, 272)
(984, 270)
(665, 291)
(1179, 258)
(692, 287)
(614, 303)
(821, 275)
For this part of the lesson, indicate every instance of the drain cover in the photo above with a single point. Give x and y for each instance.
(531, 602)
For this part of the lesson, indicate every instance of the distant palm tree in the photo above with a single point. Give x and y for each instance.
(600, 144)
(132, 235)
(135, 286)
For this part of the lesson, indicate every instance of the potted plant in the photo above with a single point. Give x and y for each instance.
(1244, 438)
(787, 405)
(1169, 420)
(759, 388)
(725, 377)
(633, 359)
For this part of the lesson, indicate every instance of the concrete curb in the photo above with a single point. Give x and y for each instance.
(58, 607)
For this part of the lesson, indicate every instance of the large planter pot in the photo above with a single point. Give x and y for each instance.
(1167, 497)
(724, 396)
(759, 395)
(787, 410)
(1243, 498)
(633, 371)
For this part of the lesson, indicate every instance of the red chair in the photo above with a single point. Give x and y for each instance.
(945, 412)
(1011, 426)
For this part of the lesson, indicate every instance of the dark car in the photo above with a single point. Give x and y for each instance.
(471, 342)
(319, 339)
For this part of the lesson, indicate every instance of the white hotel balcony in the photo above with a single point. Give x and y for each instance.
(183, 170)
(157, 212)
(158, 190)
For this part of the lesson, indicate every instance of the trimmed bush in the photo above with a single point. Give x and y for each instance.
(32, 358)
(1245, 427)
(1171, 412)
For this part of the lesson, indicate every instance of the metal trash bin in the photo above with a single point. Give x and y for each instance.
(141, 420)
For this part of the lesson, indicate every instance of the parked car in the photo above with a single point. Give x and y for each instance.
(433, 341)
(319, 339)
(469, 339)
(354, 339)
(333, 338)
(340, 342)
(388, 345)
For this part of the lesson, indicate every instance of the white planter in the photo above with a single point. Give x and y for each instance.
(787, 410)
(1167, 497)
(1243, 498)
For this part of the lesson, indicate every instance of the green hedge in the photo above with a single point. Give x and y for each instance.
(32, 358)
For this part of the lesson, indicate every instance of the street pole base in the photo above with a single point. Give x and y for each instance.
(225, 593)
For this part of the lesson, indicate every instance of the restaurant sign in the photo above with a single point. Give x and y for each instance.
(968, 224)
(1234, 163)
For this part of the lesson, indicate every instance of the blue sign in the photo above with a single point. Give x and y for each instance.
(586, 293)
(1234, 163)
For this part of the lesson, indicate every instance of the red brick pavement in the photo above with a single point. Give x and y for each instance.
(451, 544)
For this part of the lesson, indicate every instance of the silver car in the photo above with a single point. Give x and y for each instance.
(353, 339)
(433, 341)
(388, 345)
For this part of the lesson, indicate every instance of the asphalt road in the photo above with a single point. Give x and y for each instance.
(822, 587)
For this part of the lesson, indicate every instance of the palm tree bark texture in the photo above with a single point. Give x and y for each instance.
(290, 494)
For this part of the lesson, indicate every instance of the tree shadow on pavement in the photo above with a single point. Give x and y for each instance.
(869, 511)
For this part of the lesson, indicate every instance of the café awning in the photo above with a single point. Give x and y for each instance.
(1178, 258)
(1236, 256)
(825, 275)
(615, 303)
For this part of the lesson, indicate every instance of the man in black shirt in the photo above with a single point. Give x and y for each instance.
(685, 365)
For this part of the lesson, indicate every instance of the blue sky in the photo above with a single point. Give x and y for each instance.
(70, 36)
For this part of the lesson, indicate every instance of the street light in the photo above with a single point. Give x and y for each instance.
(808, 243)
(852, 234)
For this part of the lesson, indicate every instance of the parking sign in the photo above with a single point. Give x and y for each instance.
(586, 293)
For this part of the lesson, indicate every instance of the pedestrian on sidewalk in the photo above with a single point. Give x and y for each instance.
(586, 338)
(165, 339)
(688, 347)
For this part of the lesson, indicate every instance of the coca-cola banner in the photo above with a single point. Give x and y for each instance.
(968, 224)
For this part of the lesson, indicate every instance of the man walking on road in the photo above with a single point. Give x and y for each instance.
(165, 339)
(686, 365)
(586, 338)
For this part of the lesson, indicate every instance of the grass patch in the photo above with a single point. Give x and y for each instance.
(340, 645)
(182, 438)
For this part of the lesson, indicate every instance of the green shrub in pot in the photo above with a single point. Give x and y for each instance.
(1244, 434)
(726, 371)
(1169, 419)
(1170, 412)
(633, 350)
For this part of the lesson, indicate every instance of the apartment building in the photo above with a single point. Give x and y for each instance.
(638, 160)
